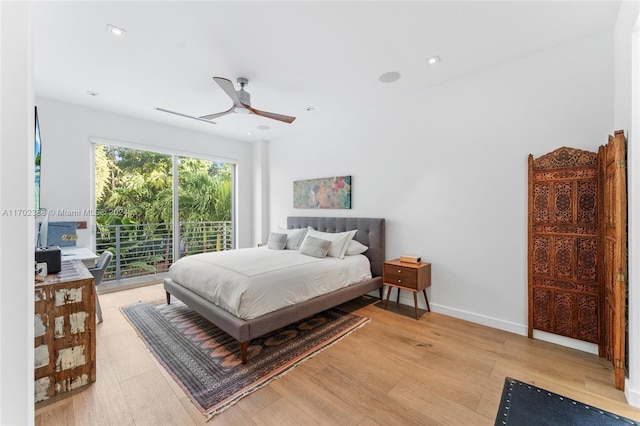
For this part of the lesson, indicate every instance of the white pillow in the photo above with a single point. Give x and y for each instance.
(294, 237)
(355, 247)
(338, 240)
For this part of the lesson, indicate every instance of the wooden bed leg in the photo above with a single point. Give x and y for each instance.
(168, 297)
(380, 289)
(244, 346)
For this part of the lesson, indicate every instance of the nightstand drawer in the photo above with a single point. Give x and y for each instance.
(398, 275)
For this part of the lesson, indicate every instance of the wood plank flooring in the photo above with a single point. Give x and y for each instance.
(393, 371)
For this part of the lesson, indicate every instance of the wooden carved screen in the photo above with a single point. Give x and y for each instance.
(564, 267)
(614, 230)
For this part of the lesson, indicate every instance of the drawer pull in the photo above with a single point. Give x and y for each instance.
(399, 271)
(399, 281)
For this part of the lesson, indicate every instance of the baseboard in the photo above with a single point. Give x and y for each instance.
(580, 345)
(521, 329)
(632, 395)
(407, 299)
(479, 319)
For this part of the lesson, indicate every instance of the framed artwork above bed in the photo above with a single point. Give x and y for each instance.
(322, 193)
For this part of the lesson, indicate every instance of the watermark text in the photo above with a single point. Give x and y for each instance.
(64, 212)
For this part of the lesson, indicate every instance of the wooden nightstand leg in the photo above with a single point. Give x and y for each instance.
(426, 299)
(415, 302)
(398, 296)
(386, 302)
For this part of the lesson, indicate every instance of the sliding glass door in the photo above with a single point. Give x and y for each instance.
(153, 208)
(204, 205)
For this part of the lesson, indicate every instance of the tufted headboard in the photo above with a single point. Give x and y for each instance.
(370, 233)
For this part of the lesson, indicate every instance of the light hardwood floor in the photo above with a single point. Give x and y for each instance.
(393, 371)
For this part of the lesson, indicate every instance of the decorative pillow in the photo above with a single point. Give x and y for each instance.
(316, 247)
(338, 240)
(355, 247)
(294, 237)
(277, 241)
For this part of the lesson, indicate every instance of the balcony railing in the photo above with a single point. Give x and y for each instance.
(146, 249)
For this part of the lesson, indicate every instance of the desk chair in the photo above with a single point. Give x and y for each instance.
(98, 274)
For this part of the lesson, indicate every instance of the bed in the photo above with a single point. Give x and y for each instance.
(370, 232)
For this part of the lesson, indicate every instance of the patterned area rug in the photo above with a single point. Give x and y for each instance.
(205, 361)
(525, 404)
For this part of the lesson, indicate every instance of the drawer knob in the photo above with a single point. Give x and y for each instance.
(399, 271)
(399, 281)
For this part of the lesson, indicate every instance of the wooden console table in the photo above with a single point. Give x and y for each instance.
(65, 337)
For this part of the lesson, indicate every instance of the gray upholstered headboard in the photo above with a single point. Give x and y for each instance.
(370, 233)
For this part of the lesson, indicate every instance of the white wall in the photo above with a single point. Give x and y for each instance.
(626, 117)
(261, 191)
(66, 131)
(16, 198)
(447, 168)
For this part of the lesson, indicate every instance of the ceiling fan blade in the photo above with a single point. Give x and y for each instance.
(185, 115)
(274, 116)
(216, 115)
(228, 88)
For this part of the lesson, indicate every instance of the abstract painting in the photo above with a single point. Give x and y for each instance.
(324, 193)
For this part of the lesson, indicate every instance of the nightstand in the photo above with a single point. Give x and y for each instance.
(413, 277)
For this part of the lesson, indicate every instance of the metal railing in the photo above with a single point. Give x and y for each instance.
(146, 249)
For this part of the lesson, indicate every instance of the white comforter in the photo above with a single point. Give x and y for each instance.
(254, 281)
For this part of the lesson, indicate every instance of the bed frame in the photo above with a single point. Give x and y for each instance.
(371, 233)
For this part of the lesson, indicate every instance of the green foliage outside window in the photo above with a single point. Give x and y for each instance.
(136, 187)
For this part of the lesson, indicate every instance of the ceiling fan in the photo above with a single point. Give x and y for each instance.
(242, 102)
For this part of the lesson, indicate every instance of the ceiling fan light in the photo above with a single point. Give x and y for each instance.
(241, 110)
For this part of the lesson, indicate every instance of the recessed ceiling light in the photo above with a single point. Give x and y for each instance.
(249, 133)
(118, 32)
(92, 93)
(433, 60)
(389, 77)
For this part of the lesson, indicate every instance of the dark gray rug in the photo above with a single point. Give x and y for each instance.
(205, 361)
(523, 404)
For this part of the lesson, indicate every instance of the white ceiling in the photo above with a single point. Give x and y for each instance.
(325, 55)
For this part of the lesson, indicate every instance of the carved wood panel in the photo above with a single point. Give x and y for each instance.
(542, 309)
(614, 236)
(564, 249)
